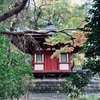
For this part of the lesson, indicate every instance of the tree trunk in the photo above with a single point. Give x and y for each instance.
(13, 11)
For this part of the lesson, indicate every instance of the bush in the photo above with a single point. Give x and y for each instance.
(75, 84)
(85, 97)
(13, 71)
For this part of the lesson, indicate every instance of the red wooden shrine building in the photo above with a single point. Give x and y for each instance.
(42, 62)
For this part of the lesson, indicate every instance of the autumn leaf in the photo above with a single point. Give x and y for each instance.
(68, 49)
(79, 39)
(57, 54)
(50, 43)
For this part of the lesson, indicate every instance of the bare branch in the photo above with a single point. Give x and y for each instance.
(29, 32)
(13, 11)
(19, 33)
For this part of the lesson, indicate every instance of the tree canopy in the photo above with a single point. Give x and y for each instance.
(92, 46)
(39, 14)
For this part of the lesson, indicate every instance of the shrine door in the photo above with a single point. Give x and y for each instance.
(51, 65)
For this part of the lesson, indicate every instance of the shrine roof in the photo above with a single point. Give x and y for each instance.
(50, 27)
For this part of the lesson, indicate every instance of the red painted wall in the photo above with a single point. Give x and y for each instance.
(51, 65)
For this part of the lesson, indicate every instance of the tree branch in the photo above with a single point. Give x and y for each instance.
(29, 32)
(20, 33)
(13, 11)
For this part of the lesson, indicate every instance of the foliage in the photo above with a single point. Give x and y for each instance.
(79, 39)
(75, 39)
(92, 46)
(60, 12)
(75, 84)
(85, 97)
(58, 38)
(63, 13)
(4, 4)
(13, 71)
(70, 42)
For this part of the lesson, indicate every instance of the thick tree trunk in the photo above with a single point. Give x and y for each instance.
(13, 11)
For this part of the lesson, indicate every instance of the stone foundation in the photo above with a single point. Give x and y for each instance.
(58, 86)
(47, 86)
(93, 86)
